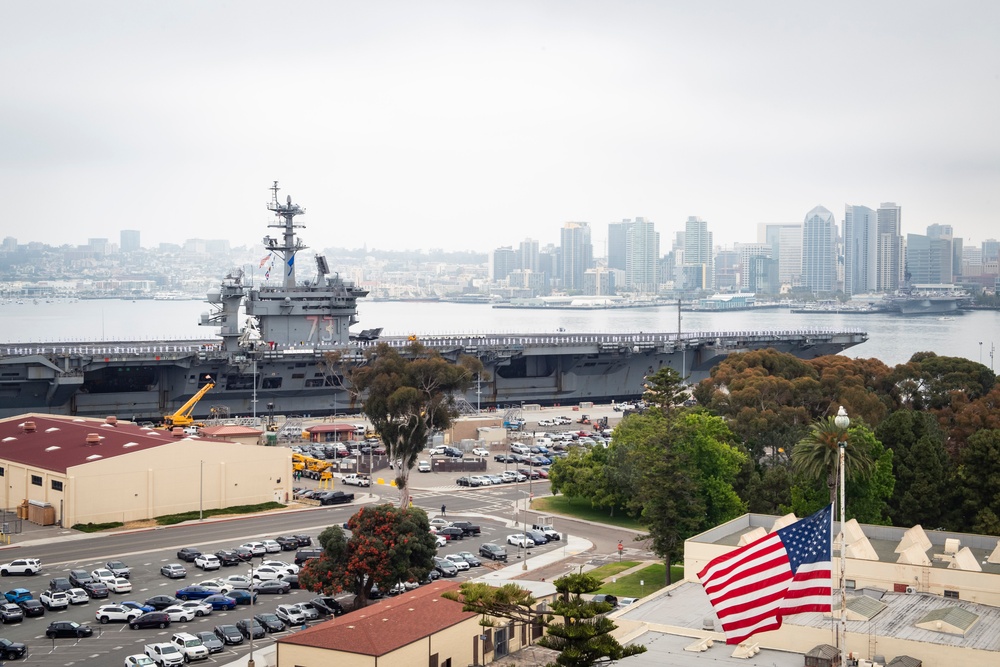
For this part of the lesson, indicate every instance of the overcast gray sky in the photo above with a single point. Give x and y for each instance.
(470, 125)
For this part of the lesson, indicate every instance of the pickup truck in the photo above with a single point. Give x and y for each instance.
(334, 497)
(164, 654)
(357, 480)
(54, 600)
(468, 528)
(548, 530)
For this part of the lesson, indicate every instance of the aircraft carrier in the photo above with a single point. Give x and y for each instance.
(271, 343)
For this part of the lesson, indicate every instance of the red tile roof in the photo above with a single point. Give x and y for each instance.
(230, 431)
(387, 625)
(56, 443)
(331, 428)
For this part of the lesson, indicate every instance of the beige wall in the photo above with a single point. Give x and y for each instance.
(172, 478)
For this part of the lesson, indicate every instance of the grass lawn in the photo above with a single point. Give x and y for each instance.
(652, 576)
(581, 508)
(611, 569)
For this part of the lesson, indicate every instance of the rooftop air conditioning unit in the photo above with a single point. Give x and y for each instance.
(910, 590)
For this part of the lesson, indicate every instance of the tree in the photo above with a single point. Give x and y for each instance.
(928, 381)
(408, 396)
(979, 471)
(388, 545)
(664, 389)
(582, 636)
(817, 456)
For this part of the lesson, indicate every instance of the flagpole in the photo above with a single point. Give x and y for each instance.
(842, 421)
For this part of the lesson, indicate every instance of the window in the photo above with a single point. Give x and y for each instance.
(1, 471)
(36, 480)
(951, 594)
(850, 584)
(271, 382)
(56, 485)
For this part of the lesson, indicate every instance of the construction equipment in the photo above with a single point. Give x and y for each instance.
(183, 415)
(312, 468)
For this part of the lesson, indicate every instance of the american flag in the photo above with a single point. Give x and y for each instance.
(786, 572)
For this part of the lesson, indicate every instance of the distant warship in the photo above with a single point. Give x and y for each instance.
(272, 341)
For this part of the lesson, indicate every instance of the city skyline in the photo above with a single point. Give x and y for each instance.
(407, 126)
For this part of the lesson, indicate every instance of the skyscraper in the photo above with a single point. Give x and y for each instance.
(699, 269)
(928, 259)
(642, 251)
(945, 236)
(577, 254)
(527, 255)
(754, 276)
(890, 247)
(819, 251)
(786, 248)
(617, 232)
(129, 241)
(860, 250)
(502, 263)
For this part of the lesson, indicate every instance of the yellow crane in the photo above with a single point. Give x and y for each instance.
(183, 415)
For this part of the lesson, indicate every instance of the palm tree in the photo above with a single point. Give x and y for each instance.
(817, 455)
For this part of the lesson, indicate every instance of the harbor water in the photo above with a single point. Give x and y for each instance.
(892, 338)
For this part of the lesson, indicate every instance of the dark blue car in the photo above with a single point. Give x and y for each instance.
(243, 597)
(195, 593)
(135, 605)
(219, 601)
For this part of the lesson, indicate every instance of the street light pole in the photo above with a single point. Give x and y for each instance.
(842, 421)
(250, 662)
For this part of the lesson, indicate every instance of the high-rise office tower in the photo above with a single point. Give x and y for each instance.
(577, 254)
(502, 262)
(699, 269)
(527, 255)
(945, 236)
(617, 232)
(642, 252)
(785, 240)
(991, 250)
(890, 247)
(819, 251)
(750, 270)
(129, 240)
(860, 250)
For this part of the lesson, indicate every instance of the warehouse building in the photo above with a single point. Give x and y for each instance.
(99, 471)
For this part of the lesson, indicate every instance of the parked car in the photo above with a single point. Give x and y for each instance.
(459, 562)
(152, 619)
(451, 533)
(12, 650)
(467, 527)
(229, 634)
(302, 555)
(195, 593)
(424, 466)
(520, 540)
(267, 573)
(610, 599)
(504, 458)
(21, 566)
(190, 646)
(199, 607)
(256, 548)
(160, 602)
(54, 600)
(248, 627)
(96, 589)
(479, 451)
(287, 542)
(270, 622)
(290, 614)
(245, 555)
(289, 568)
(445, 567)
(469, 558)
(32, 608)
(327, 605)
(441, 541)
(210, 641)
(276, 586)
(179, 614)
(131, 604)
(62, 629)
(188, 554)
(493, 551)
(242, 596)
(11, 613)
(311, 613)
(537, 536)
(139, 660)
(468, 481)
(291, 579)
(103, 575)
(220, 601)
(227, 557)
(115, 613)
(79, 577)
(271, 546)
(174, 571)
(119, 568)
(60, 584)
(208, 562)
(119, 585)
(77, 596)
(17, 595)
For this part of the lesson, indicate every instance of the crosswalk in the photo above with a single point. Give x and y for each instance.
(486, 502)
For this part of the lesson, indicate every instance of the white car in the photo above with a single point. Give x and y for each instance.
(438, 522)
(290, 614)
(308, 610)
(214, 584)
(482, 481)
(119, 585)
(77, 596)
(424, 466)
(520, 540)
(441, 541)
(267, 573)
(256, 548)
(199, 607)
(546, 422)
(291, 568)
(21, 566)
(271, 546)
(179, 614)
(479, 451)
(54, 600)
(208, 562)
(112, 612)
(103, 575)
(139, 660)
(459, 562)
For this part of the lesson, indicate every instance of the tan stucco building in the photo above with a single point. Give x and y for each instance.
(418, 628)
(98, 471)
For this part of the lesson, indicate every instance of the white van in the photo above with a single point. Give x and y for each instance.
(360, 430)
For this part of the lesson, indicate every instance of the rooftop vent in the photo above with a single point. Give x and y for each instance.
(52, 429)
(52, 448)
(130, 444)
(112, 420)
(93, 439)
(94, 456)
(8, 439)
(29, 427)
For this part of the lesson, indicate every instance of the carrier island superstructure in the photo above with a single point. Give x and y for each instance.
(272, 341)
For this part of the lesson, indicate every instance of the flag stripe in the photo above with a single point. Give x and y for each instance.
(786, 572)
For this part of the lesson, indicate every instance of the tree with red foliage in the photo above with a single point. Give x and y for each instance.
(387, 545)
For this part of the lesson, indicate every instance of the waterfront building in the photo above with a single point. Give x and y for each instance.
(642, 250)
(617, 233)
(819, 251)
(890, 264)
(785, 240)
(727, 270)
(502, 262)
(577, 254)
(129, 240)
(527, 255)
(699, 269)
(599, 281)
(745, 265)
(860, 250)
(928, 259)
